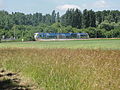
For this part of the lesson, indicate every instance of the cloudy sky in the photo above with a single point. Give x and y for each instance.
(46, 6)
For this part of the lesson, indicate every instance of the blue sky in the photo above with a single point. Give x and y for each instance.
(46, 6)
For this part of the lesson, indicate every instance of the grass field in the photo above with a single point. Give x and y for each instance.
(65, 65)
(65, 69)
(89, 44)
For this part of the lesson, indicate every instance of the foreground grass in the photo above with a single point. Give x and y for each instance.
(65, 69)
(89, 44)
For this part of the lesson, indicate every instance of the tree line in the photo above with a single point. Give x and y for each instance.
(99, 24)
(89, 18)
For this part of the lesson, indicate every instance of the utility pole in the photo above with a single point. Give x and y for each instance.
(14, 31)
(0, 39)
(96, 33)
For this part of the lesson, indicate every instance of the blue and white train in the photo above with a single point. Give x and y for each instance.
(61, 36)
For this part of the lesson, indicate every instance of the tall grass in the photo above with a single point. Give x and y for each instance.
(65, 69)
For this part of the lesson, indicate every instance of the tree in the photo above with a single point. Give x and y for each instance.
(73, 18)
(89, 18)
(92, 18)
(58, 17)
(53, 17)
(106, 25)
(36, 19)
(86, 21)
(48, 19)
(99, 17)
(77, 19)
(67, 18)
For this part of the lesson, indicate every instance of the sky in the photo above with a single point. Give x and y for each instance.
(47, 6)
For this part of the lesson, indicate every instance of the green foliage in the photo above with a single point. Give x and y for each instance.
(53, 17)
(98, 24)
(73, 18)
(58, 17)
(106, 25)
(27, 38)
(89, 18)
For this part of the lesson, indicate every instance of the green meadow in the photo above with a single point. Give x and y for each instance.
(87, 44)
(65, 65)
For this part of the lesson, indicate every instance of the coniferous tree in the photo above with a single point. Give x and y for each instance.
(86, 21)
(53, 18)
(92, 19)
(58, 17)
(77, 19)
(99, 17)
(48, 19)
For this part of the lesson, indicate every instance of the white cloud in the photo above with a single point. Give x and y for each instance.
(67, 6)
(100, 4)
(97, 5)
